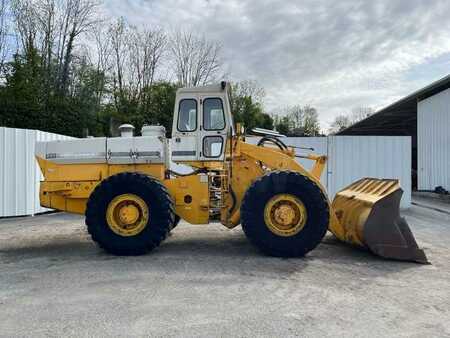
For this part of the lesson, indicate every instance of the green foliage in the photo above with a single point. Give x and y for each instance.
(161, 105)
(21, 96)
(250, 113)
(56, 83)
(27, 100)
(266, 121)
(299, 121)
(156, 107)
(282, 125)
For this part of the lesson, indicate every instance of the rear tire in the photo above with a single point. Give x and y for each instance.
(300, 188)
(155, 225)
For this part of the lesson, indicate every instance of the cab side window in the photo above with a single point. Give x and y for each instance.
(213, 115)
(187, 115)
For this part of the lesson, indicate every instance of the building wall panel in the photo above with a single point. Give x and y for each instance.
(433, 137)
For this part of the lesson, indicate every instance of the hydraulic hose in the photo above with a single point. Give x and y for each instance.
(280, 144)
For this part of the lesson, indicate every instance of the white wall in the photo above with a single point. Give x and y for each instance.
(349, 158)
(353, 157)
(320, 146)
(19, 171)
(433, 141)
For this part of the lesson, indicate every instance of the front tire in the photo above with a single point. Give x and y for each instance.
(129, 214)
(285, 214)
(175, 223)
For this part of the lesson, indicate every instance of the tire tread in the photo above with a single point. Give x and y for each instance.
(102, 194)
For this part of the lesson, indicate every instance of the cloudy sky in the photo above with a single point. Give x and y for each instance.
(334, 55)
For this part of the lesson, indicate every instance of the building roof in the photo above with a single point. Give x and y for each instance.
(399, 118)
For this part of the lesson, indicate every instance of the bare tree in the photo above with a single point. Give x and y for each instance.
(196, 60)
(52, 27)
(46, 18)
(249, 88)
(297, 116)
(4, 29)
(311, 125)
(153, 44)
(339, 123)
(136, 56)
(147, 51)
(76, 17)
(26, 24)
(360, 113)
(119, 35)
(300, 120)
(344, 121)
(103, 57)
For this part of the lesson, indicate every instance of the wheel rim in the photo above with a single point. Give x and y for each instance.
(285, 215)
(127, 215)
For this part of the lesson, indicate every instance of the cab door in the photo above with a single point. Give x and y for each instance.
(186, 129)
(213, 128)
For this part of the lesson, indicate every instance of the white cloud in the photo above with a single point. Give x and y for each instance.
(333, 54)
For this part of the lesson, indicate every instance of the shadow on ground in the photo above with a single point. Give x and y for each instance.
(200, 248)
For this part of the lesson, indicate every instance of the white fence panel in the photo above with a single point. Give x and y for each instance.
(16, 168)
(349, 159)
(318, 146)
(19, 172)
(355, 157)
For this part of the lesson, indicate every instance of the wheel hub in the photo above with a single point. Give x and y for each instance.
(127, 215)
(285, 215)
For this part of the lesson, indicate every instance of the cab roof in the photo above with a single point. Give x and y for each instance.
(212, 88)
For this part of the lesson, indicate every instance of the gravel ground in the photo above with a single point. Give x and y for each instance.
(208, 281)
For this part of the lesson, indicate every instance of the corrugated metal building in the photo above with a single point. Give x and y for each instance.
(19, 173)
(425, 116)
(433, 141)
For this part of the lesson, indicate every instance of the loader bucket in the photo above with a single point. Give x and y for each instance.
(368, 213)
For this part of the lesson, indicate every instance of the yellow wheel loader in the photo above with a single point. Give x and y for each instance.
(132, 198)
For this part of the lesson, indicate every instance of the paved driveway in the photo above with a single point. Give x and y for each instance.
(208, 281)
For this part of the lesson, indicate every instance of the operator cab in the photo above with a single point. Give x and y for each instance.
(202, 121)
